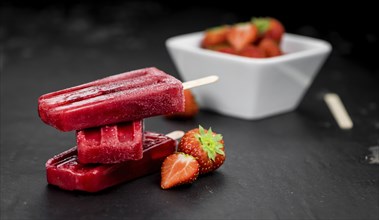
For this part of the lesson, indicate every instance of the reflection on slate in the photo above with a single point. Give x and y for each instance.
(298, 165)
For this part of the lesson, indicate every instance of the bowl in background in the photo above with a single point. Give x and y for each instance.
(250, 88)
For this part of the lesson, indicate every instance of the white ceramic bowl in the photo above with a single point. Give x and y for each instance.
(250, 88)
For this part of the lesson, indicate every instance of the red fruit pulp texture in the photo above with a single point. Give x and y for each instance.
(215, 36)
(241, 35)
(124, 97)
(228, 50)
(64, 170)
(252, 51)
(270, 47)
(110, 144)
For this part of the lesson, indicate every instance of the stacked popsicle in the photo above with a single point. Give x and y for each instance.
(107, 115)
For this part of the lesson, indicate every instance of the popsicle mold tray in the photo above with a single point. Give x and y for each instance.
(250, 88)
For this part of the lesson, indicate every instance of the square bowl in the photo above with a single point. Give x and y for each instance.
(250, 88)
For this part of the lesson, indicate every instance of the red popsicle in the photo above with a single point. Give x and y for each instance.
(124, 97)
(110, 144)
(64, 171)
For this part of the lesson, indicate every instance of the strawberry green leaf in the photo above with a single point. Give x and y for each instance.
(197, 136)
(262, 24)
(210, 142)
(219, 151)
(201, 130)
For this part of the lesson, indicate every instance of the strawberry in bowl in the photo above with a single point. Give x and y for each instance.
(259, 38)
(254, 59)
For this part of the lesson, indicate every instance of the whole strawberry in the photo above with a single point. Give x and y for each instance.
(270, 47)
(190, 107)
(269, 28)
(206, 146)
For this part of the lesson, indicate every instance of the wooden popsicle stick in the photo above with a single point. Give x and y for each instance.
(200, 82)
(175, 135)
(338, 110)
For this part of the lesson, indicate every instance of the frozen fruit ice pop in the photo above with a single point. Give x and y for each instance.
(110, 143)
(124, 97)
(64, 170)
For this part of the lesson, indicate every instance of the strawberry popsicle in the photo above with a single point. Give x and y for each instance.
(64, 170)
(110, 143)
(124, 97)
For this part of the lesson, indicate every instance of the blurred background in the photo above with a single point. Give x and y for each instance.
(103, 31)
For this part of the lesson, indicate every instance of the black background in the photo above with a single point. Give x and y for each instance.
(350, 27)
(298, 165)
